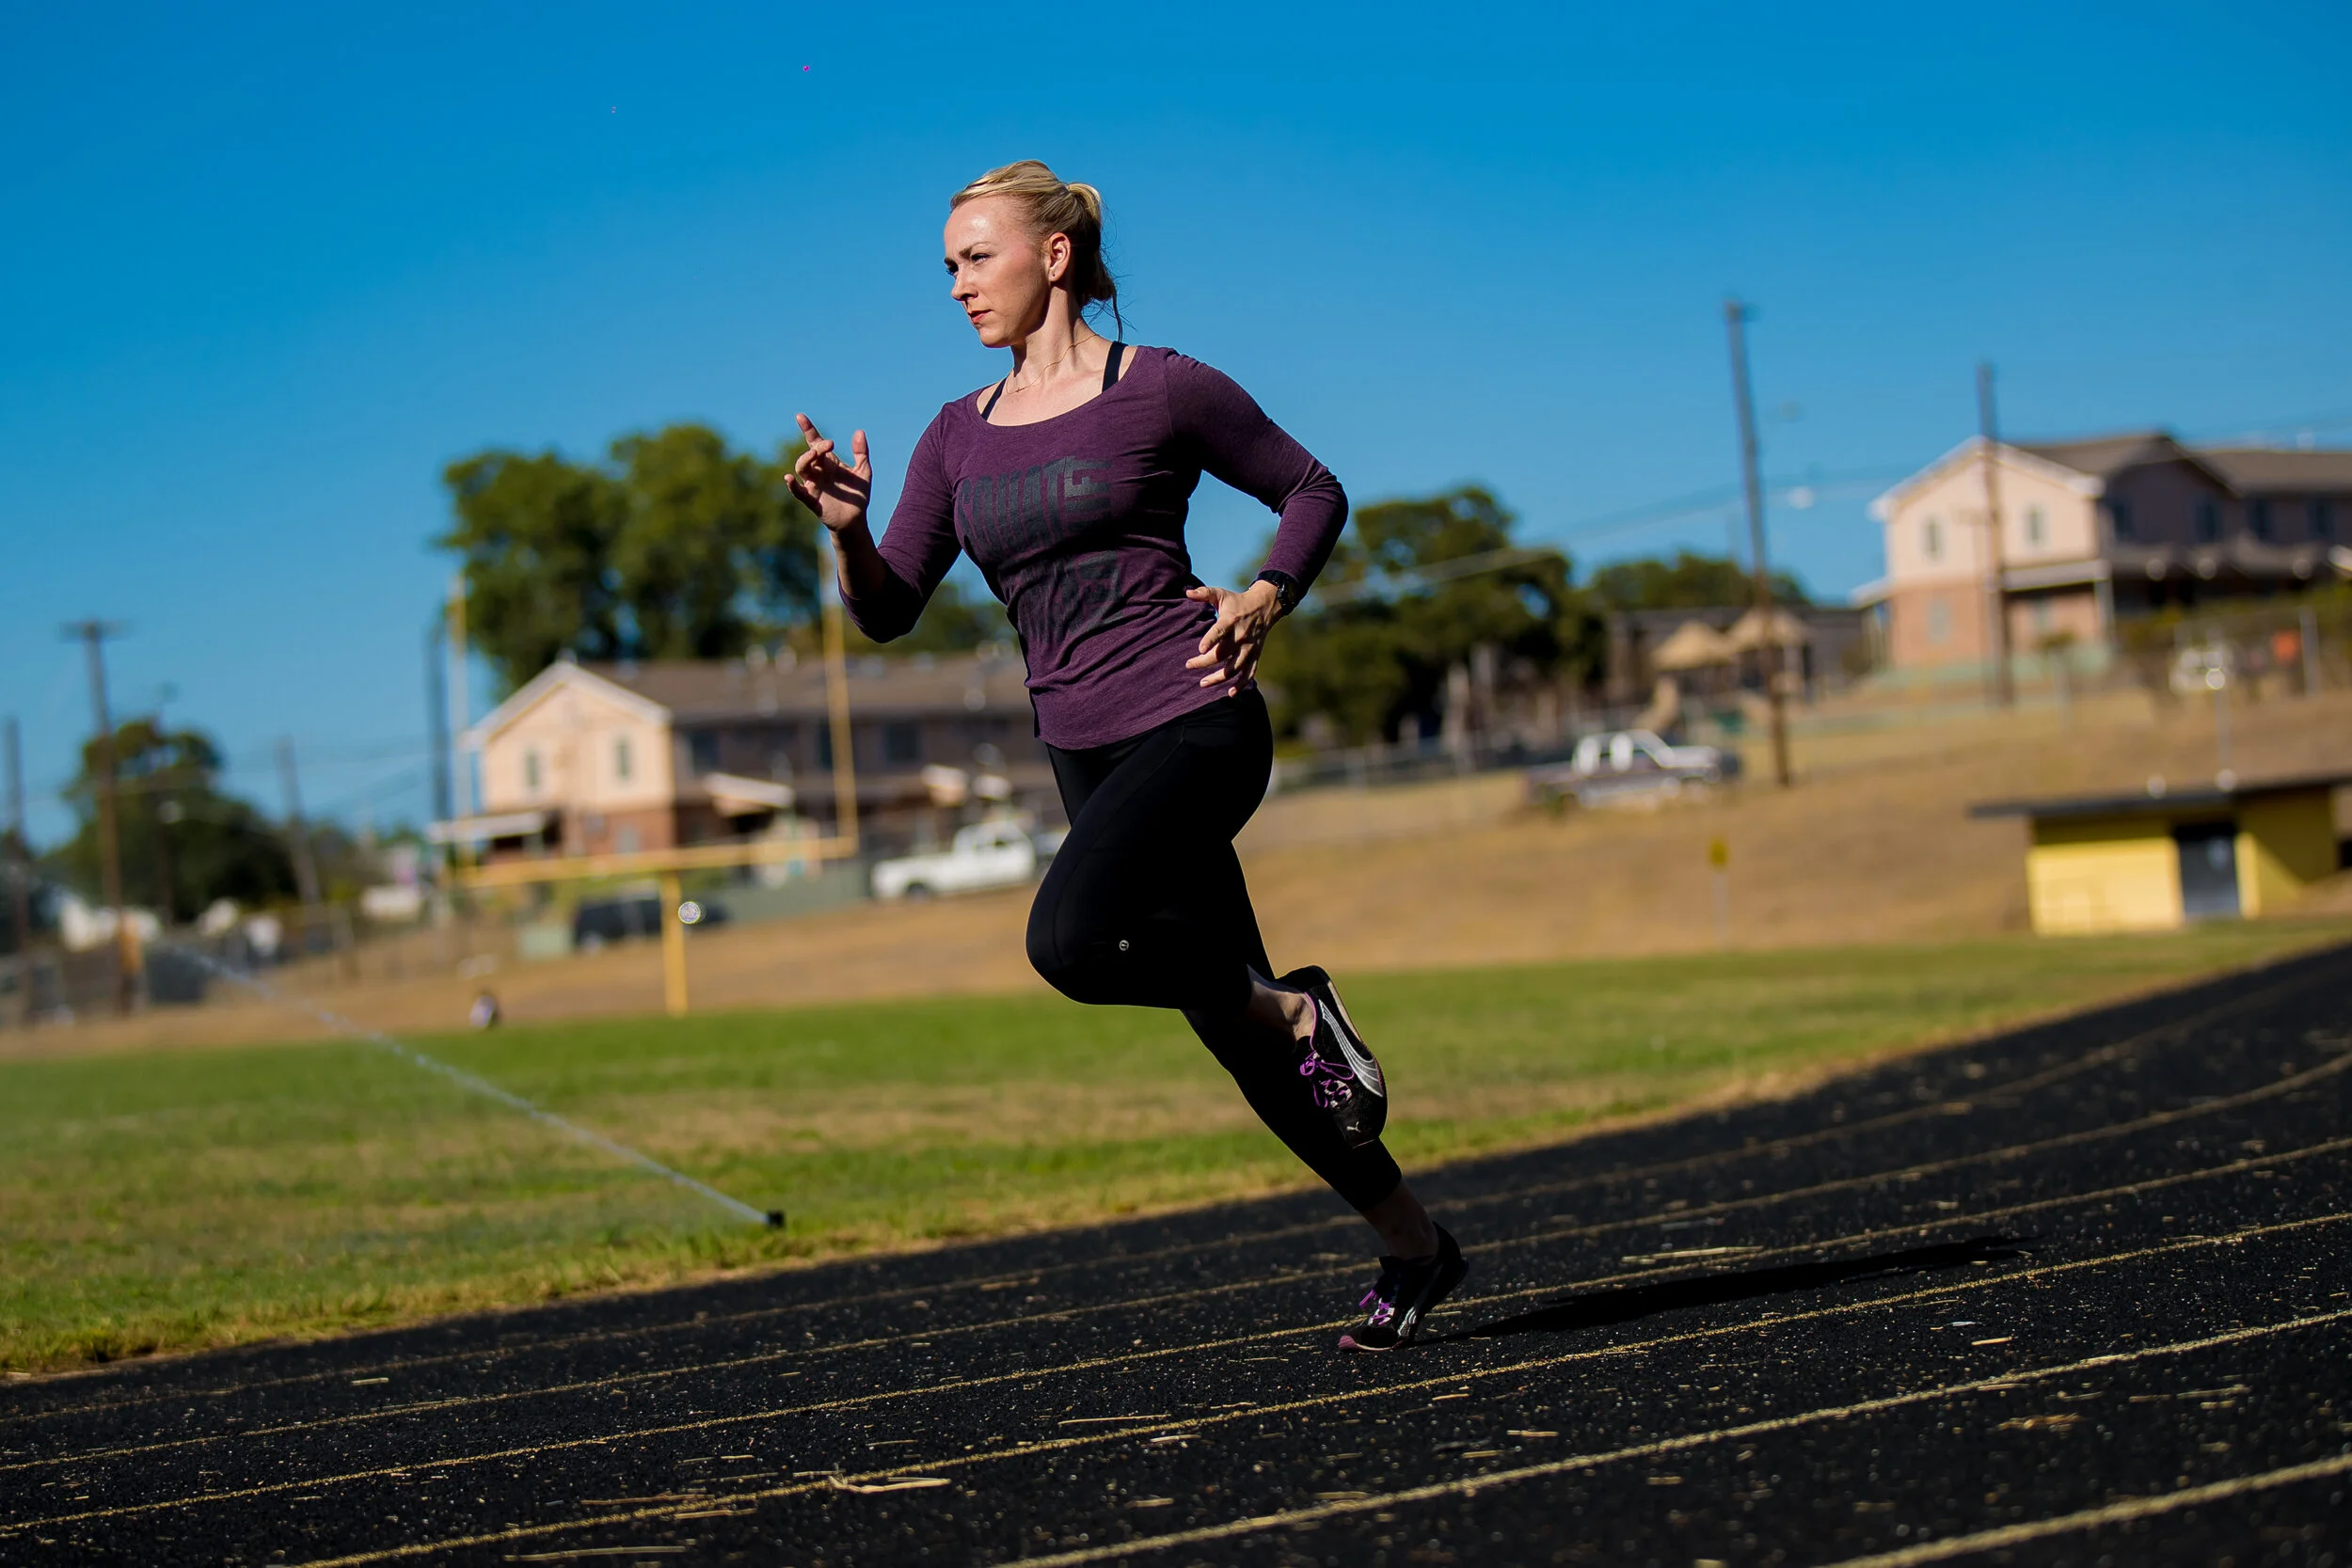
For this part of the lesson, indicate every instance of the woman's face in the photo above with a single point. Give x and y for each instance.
(1000, 273)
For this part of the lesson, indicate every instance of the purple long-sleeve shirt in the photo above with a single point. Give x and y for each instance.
(1077, 522)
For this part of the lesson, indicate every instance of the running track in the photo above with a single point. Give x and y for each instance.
(2079, 1294)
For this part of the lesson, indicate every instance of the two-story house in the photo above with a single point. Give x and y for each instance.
(2095, 531)
(617, 758)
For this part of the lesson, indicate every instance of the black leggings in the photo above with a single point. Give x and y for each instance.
(1145, 906)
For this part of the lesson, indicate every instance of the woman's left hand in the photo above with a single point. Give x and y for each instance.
(1230, 649)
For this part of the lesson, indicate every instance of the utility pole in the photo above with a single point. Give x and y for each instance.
(459, 709)
(297, 835)
(1735, 322)
(166, 814)
(2001, 689)
(837, 700)
(21, 881)
(437, 716)
(92, 635)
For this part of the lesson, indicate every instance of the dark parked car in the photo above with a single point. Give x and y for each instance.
(599, 921)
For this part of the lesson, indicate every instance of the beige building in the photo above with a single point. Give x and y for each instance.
(616, 758)
(2095, 531)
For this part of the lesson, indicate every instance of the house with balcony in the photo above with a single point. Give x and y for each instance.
(587, 759)
(2094, 532)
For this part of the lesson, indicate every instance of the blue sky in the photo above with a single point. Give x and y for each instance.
(268, 269)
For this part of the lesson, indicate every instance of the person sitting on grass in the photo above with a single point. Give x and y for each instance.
(1068, 483)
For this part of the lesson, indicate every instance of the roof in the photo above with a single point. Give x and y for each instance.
(2105, 455)
(2096, 459)
(563, 673)
(2026, 459)
(696, 692)
(1753, 630)
(2256, 469)
(1694, 646)
(1665, 623)
(2159, 800)
(482, 830)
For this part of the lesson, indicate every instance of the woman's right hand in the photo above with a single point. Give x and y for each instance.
(837, 493)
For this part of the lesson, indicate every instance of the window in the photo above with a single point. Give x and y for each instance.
(702, 751)
(1939, 621)
(824, 745)
(903, 743)
(2208, 520)
(2039, 613)
(2258, 518)
(2120, 510)
(2036, 524)
(1932, 539)
(531, 770)
(621, 759)
(2323, 518)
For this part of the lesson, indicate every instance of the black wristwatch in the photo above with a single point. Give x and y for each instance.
(1286, 590)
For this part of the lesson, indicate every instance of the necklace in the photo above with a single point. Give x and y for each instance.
(1039, 380)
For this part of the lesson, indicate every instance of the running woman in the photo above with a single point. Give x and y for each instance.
(1067, 482)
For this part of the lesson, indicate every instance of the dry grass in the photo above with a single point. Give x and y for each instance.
(1875, 846)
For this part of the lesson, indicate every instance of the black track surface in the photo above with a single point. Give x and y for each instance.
(2079, 1294)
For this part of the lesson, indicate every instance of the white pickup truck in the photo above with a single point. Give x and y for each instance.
(986, 854)
(1629, 764)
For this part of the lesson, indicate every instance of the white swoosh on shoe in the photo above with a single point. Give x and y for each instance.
(1367, 1070)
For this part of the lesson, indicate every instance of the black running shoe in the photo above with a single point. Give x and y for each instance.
(1338, 1066)
(1405, 1294)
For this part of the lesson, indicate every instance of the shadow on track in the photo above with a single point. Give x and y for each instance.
(1628, 1303)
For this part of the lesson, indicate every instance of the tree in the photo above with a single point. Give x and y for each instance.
(1370, 658)
(1689, 581)
(15, 856)
(184, 843)
(675, 546)
(955, 622)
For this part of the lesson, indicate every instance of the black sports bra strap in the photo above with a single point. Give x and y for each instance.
(1111, 379)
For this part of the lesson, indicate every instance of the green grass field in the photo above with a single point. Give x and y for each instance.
(165, 1200)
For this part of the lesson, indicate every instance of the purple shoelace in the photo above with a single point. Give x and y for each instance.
(1332, 1084)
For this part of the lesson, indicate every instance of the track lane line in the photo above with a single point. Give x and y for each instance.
(1918, 1229)
(522, 1532)
(1957, 1546)
(965, 1384)
(2098, 1057)
(2284, 1084)
(1949, 1106)
(2123, 1511)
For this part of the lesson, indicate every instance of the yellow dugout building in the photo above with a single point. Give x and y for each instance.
(2165, 857)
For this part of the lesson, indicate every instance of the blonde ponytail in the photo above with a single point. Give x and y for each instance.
(1051, 206)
